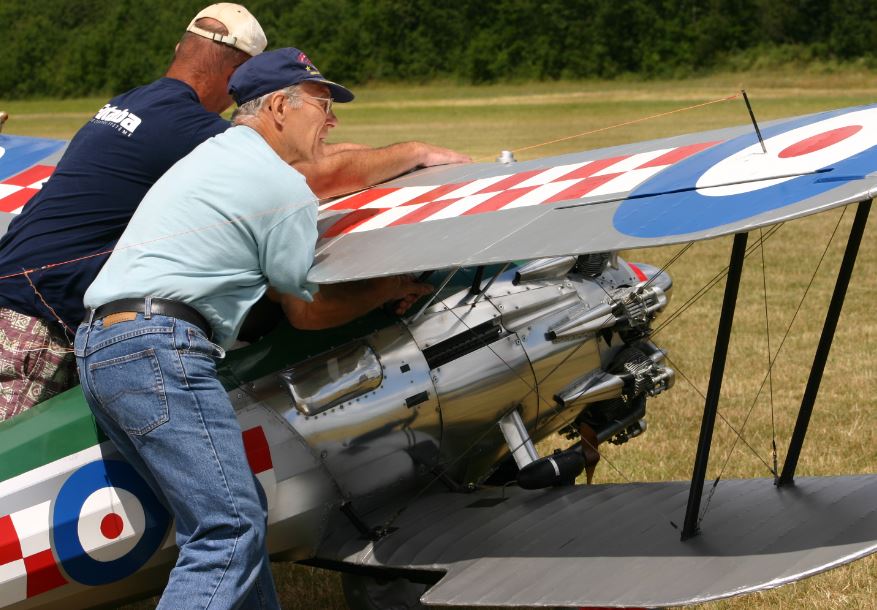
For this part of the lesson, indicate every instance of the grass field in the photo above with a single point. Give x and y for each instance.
(842, 439)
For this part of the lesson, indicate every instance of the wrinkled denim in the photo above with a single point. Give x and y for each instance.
(152, 386)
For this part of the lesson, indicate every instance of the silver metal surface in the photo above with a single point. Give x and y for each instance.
(432, 297)
(615, 545)
(474, 391)
(545, 269)
(334, 377)
(517, 438)
(598, 385)
(378, 440)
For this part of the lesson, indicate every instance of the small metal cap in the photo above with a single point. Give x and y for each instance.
(506, 156)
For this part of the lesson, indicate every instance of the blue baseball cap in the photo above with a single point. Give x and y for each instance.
(275, 70)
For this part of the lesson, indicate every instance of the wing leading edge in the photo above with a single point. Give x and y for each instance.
(615, 546)
(662, 192)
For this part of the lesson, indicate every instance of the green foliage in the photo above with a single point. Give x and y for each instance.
(79, 47)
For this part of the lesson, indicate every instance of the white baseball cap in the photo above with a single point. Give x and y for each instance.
(244, 32)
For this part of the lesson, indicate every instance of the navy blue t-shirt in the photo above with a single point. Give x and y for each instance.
(85, 206)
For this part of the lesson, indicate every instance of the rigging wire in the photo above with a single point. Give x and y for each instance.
(725, 420)
(772, 364)
(712, 282)
(773, 429)
(631, 122)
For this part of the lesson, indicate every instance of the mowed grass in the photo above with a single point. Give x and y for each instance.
(484, 120)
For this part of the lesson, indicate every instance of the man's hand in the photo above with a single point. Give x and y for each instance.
(337, 304)
(436, 155)
(401, 291)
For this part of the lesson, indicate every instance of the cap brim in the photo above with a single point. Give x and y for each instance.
(340, 93)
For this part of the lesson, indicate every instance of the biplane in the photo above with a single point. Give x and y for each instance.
(402, 452)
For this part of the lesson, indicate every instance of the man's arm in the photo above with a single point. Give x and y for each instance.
(337, 304)
(345, 168)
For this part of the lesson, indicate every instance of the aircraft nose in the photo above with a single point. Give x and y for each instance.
(654, 275)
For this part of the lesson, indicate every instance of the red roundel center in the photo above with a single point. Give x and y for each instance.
(819, 141)
(111, 526)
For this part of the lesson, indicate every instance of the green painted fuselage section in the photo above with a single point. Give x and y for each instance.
(63, 425)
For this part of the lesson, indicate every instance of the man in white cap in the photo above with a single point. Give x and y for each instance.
(109, 166)
(82, 210)
(227, 221)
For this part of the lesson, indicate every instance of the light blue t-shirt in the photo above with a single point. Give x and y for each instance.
(214, 231)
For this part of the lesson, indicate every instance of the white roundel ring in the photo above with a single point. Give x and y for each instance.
(792, 153)
(111, 523)
(106, 522)
(733, 181)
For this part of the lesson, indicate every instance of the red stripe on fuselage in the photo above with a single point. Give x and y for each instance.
(10, 547)
(42, 573)
(258, 452)
(638, 272)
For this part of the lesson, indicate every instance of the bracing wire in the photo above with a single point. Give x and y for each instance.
(771, 365)
(769, 353)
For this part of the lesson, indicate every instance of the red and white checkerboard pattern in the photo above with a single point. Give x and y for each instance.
(17, 190)
(385, 207)
(27, 564)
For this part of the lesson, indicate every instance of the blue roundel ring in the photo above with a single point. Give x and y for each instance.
(668, 205)
(65, 522)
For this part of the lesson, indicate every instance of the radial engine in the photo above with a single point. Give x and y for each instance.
(461, 391)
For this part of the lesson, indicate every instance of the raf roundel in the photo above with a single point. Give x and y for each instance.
(736, 179)
(107, 523)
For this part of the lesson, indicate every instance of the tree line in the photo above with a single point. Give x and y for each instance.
(83, 47)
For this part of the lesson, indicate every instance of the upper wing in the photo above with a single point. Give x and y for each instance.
(25, 164)
(616, 545)
(655, 193)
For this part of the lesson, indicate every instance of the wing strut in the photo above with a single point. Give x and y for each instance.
(831, 317)
(717, 373)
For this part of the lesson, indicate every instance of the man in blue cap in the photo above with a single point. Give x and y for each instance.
(109, 166)
(224, 223)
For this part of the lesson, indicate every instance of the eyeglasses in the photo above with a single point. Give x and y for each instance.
(324, 103)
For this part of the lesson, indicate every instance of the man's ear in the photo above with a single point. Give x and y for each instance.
(279, 108)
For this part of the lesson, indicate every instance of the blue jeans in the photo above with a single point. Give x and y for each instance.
(153, 389)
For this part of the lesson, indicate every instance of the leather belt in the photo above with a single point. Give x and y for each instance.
(153, 307)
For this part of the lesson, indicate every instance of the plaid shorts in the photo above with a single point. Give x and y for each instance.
(36, 362)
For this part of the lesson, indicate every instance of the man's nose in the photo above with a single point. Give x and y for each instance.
(332, 119)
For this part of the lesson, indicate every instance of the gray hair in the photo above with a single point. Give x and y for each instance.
(252, 108)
